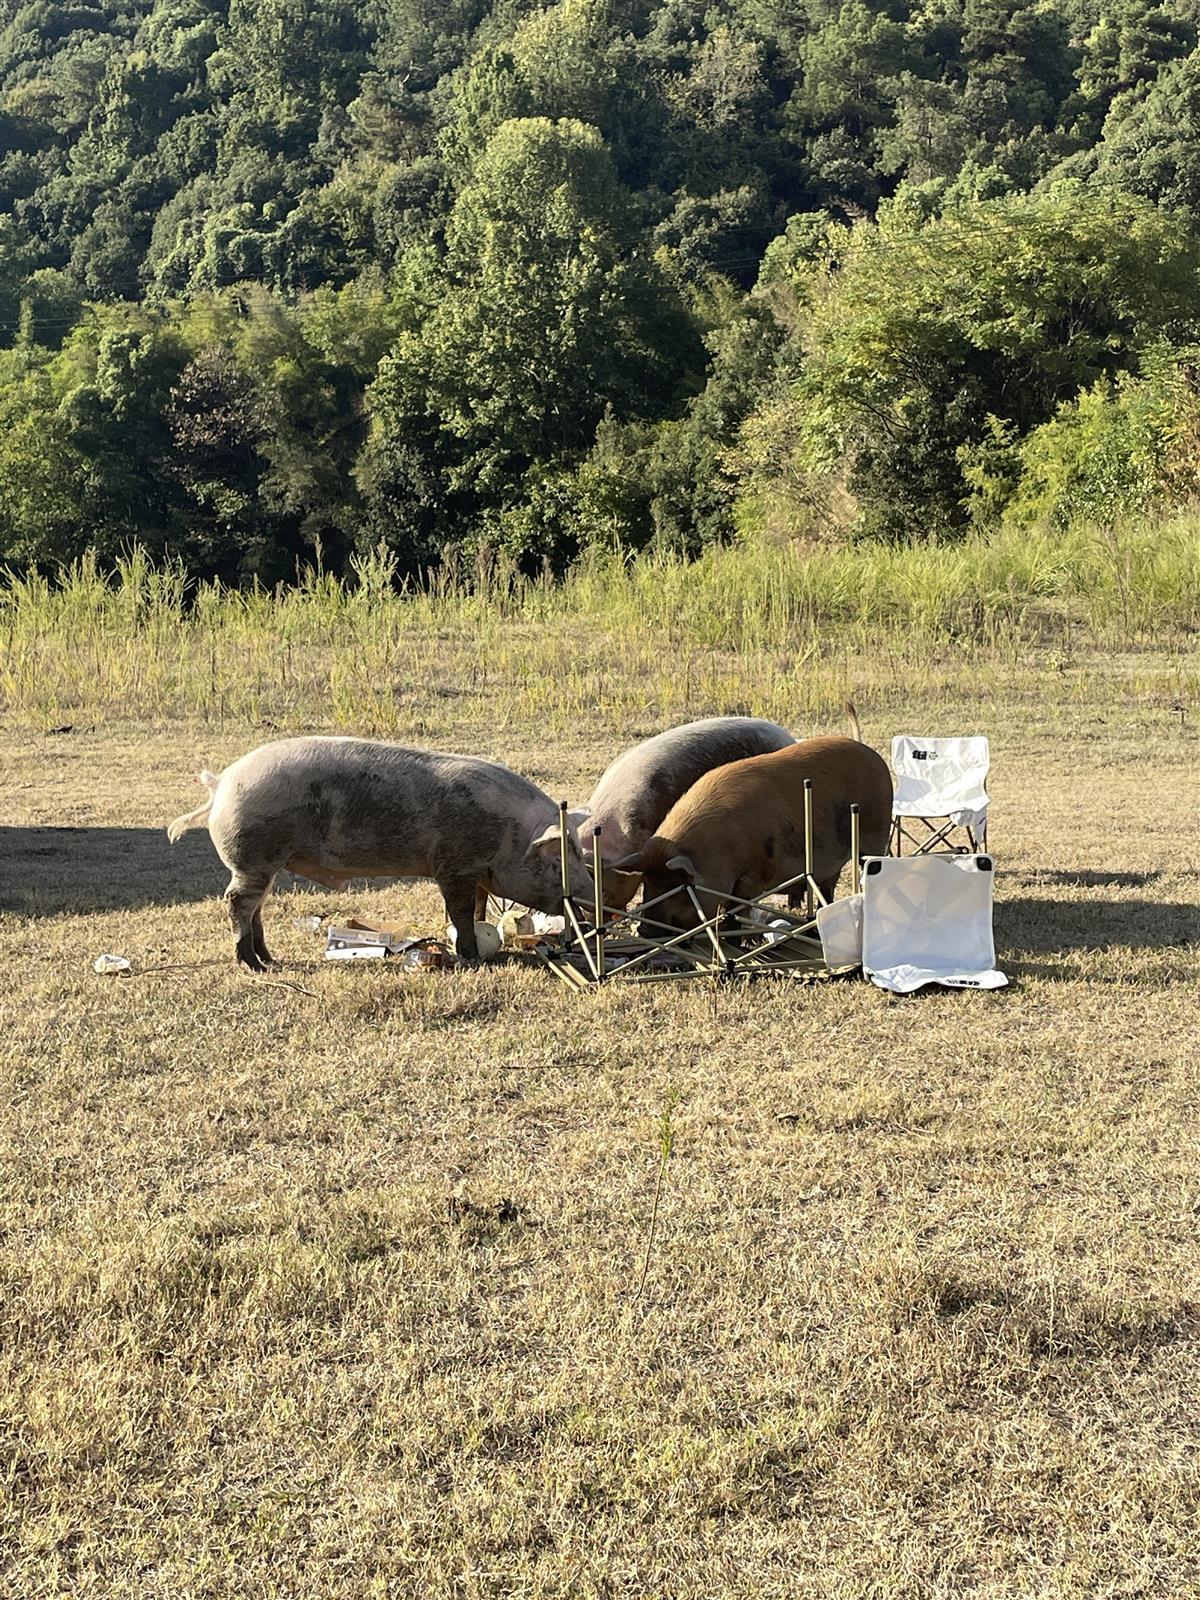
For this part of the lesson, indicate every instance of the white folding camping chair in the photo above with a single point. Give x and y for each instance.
(919, 920)
(941, 788)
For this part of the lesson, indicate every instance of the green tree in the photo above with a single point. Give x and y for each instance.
(1152, 147)
(43, 475)
(1001, 310)
(850, 74)
(545, 318)
(1123, 56)
(87, 441)
(216, 427)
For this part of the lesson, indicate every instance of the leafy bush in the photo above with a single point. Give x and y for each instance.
(922, 330)
(1115, 450)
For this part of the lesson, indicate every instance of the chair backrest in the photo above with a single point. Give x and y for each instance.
(931, 911)
(935, 777)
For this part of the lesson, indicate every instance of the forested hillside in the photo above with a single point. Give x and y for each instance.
(288, 278)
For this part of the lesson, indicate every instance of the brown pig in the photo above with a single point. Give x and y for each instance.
(740, 828)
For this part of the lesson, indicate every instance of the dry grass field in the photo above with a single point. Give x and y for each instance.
(327, 1285)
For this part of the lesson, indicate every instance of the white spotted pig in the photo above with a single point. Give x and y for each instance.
(334, 809)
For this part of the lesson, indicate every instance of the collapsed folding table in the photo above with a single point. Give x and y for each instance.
(743, 937)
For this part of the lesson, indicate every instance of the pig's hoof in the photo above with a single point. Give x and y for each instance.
(249, 958)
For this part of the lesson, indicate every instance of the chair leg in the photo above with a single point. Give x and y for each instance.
(936, 837)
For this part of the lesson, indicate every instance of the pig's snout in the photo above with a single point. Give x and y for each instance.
(543, 861)
(682, 905)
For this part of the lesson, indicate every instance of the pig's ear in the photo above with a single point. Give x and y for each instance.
(544, 843)
(633, 863)
(684, 866)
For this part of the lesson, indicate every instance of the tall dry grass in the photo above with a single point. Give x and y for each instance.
(719, 632)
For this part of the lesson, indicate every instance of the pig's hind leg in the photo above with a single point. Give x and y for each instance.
(245, 896)
(259, 938)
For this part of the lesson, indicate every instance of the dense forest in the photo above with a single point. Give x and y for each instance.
(281, 280)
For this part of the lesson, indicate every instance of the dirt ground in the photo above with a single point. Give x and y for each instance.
(326, 1284)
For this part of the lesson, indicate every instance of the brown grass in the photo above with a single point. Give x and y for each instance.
(331, 1290)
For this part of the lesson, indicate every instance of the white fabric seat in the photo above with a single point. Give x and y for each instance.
(928, 919)
(941, 783)
(919, 920)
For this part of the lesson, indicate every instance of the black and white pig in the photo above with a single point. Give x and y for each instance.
(334, 809)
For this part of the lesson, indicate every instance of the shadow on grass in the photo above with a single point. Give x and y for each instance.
(54, 872)
(1086, 878)
(1043, 926)
(47, 872)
